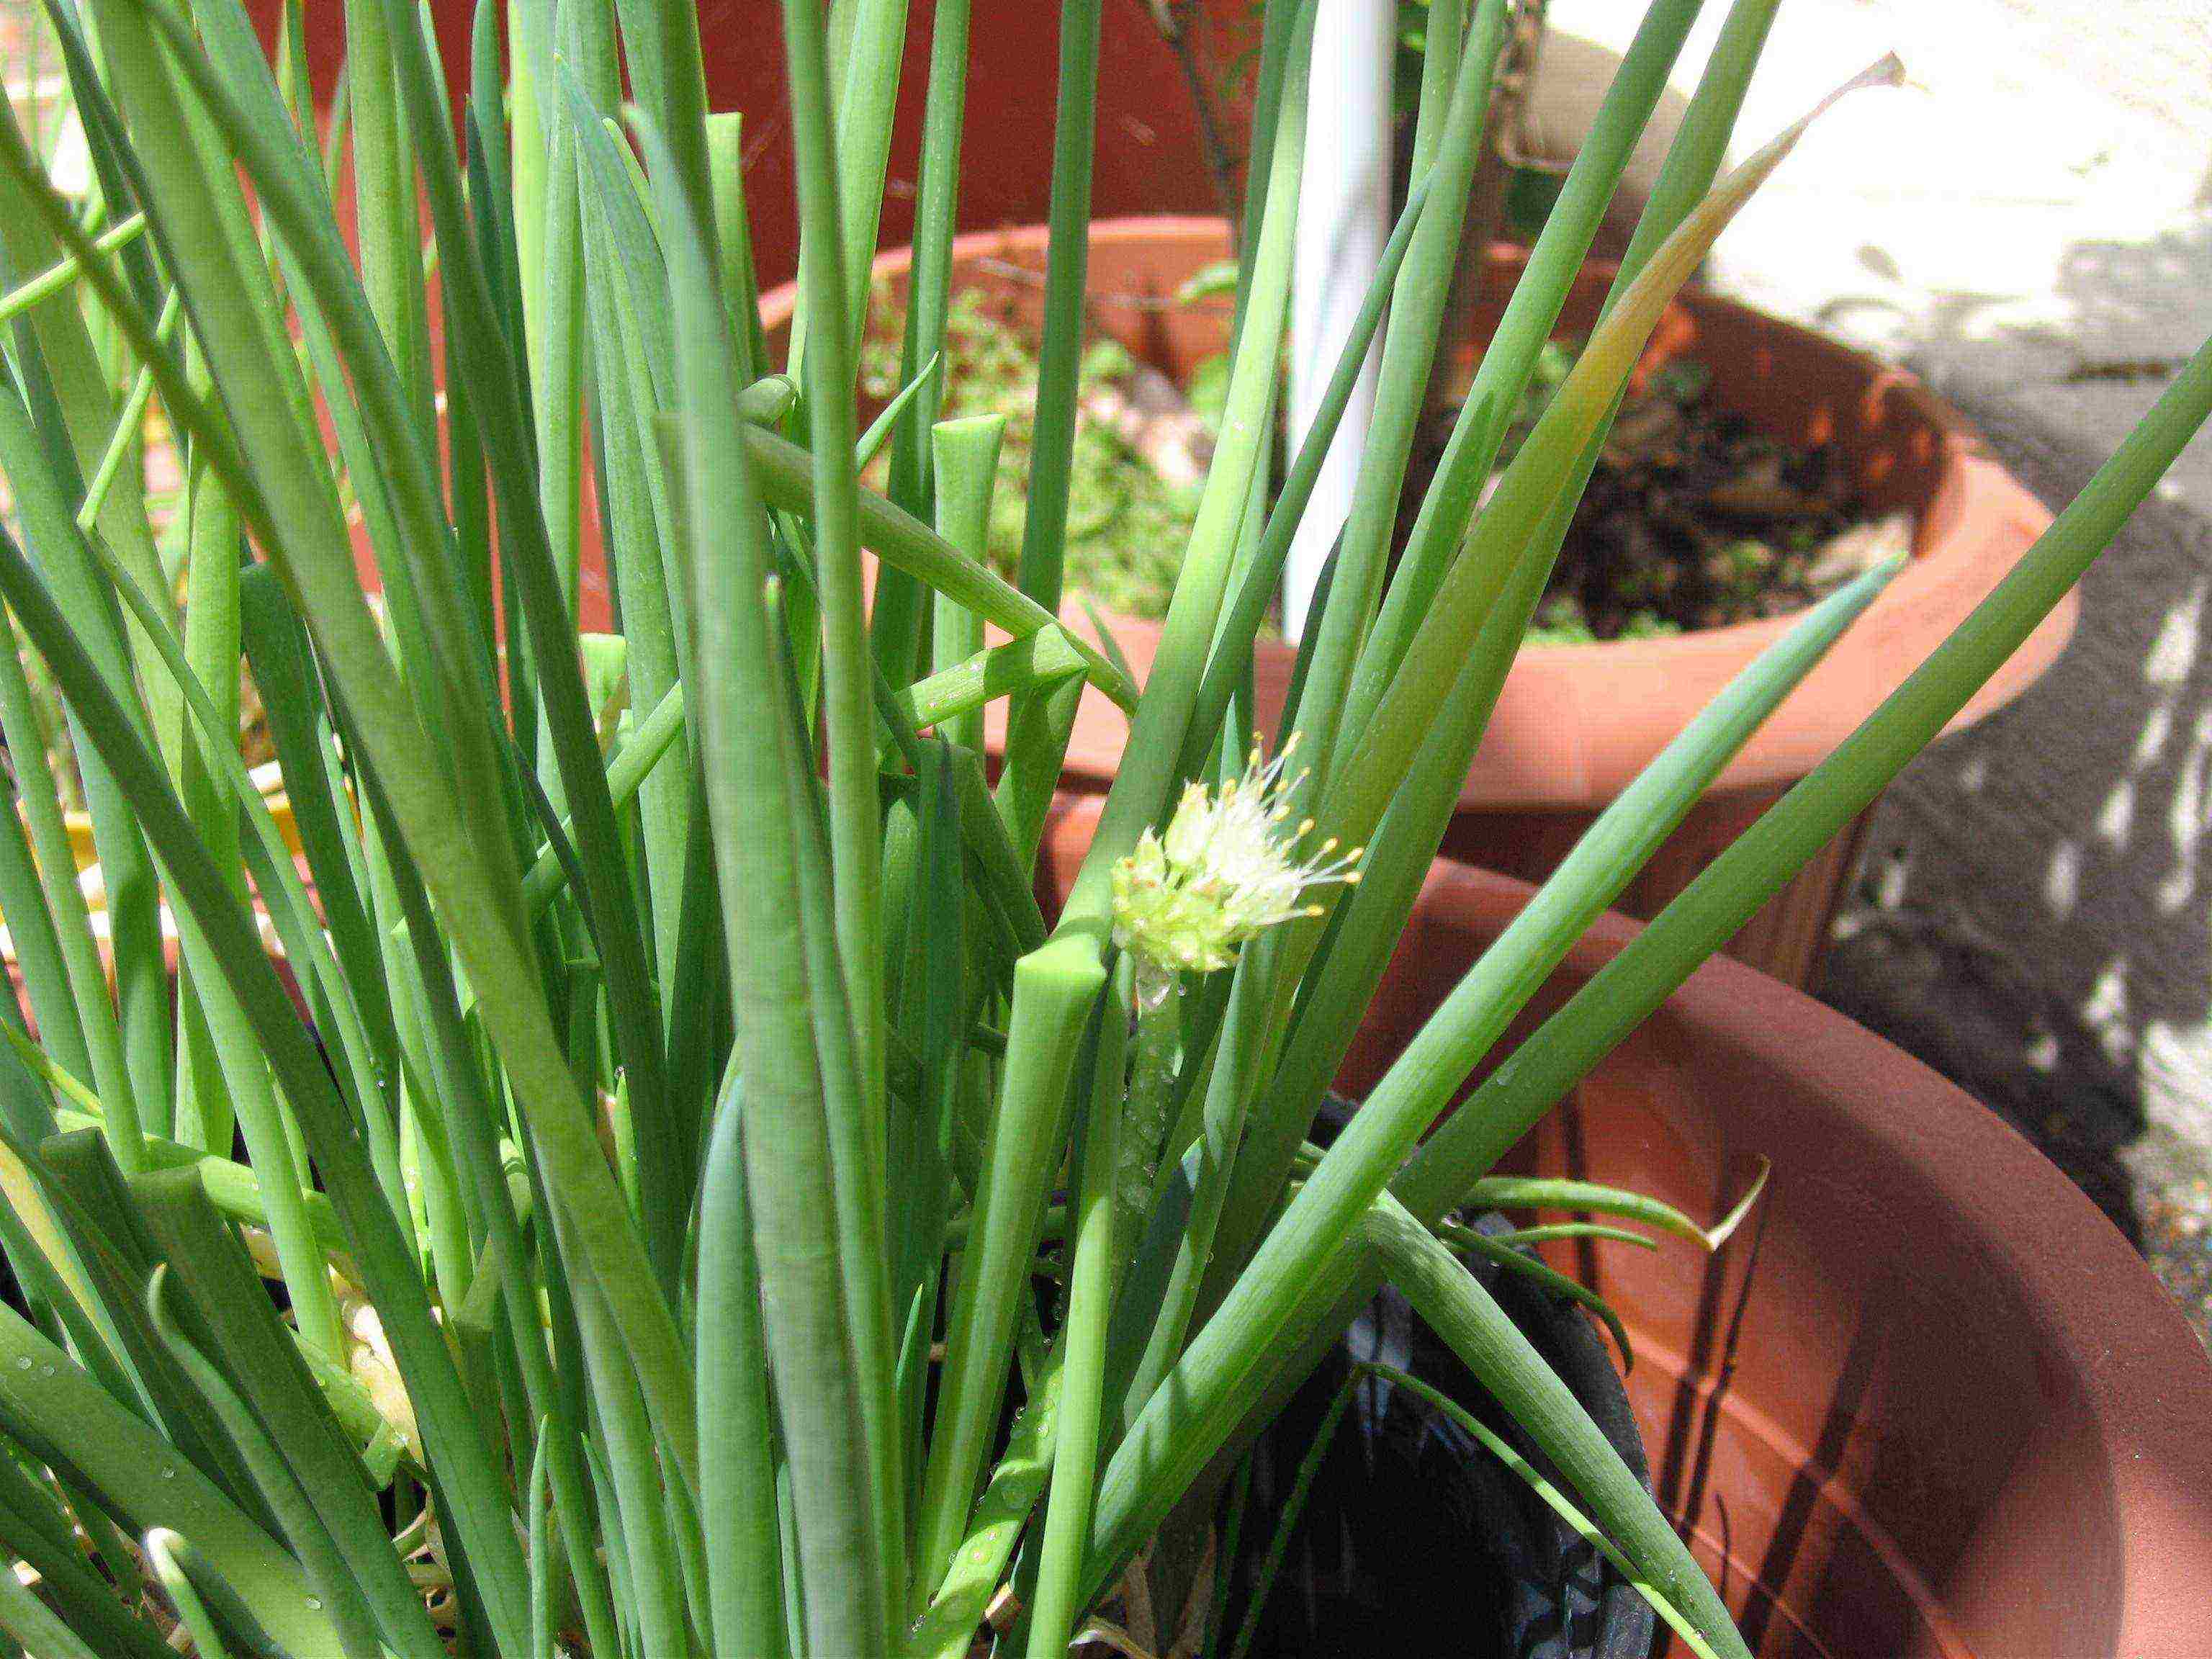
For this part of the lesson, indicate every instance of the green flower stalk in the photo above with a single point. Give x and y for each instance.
(1229, 868)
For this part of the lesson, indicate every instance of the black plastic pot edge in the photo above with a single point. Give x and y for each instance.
(1381, 1497)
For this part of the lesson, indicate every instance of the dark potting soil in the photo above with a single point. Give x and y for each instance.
(1693, 519)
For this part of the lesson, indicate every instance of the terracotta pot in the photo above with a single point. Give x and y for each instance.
(1576, 723)
(1149, 158)
(1929, 1403)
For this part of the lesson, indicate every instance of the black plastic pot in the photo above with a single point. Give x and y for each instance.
(1414, 1541)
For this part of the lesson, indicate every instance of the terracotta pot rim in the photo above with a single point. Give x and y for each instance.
(1558, 739)
(1895, 1177)
(2106, 1322)
(1993, 1176)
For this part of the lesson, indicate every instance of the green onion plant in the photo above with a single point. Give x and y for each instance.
(648, 1179)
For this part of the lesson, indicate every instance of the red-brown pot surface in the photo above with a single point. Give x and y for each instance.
(1929, 1402)
(1149, 157)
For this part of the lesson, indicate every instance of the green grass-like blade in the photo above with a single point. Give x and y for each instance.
(788, 1154)
(1140, 790)
(235, 1089)
(120, 1034)
(1089, 1301)
(37, 1626)
(68, 391)
(643, 1506)
(1044, 525)
(47, 919)
(943, 988)
(168, 1555)
(1417, 310)
(965, 455)
(383, 194)
(853, 1115)
(480, 897)
(218, 1074)
(1294, 1503)
(848, 720)
(471, 1126)
(270, 1135)
(871, 443)
(62, 274)
(896, 619)
(279, 655)
(1502, 1253)
(36, 1529)
(1529, 492)
(961, 689)
(1409, 762)
(1055, 988)
(660, 42)
(234, 1189)
(866, 101)
(1510, 357)
(536, 1510)
(1255, 1311)
(1502, 592)
(206, 1264)
(783, 472)
(1037, 728)
(1544, 1193)
(1554, 1500)
(947, 1628)
(1196, 1194)
(1598, 869)
(629, 461)
(204, 891)
(72, 1235)
(1731, 889)
(1456, 1307)
(1232, 655)
(491, 370)
(737, 1467)
(278, 1486)
(61, 1413)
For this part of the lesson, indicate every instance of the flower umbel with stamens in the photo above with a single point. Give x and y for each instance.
(1228, 868)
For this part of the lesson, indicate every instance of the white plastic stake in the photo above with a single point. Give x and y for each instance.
(1344, 220)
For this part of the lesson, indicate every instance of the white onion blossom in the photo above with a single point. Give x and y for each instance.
(1227, 869)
